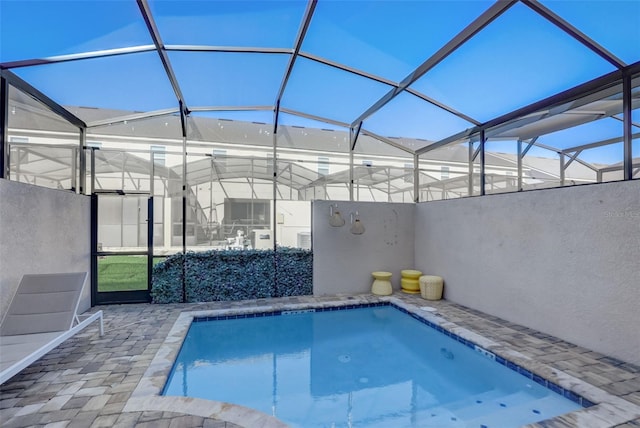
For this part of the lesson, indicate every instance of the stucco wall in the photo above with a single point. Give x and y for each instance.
(343, 262)
(42, 231)
(562, 261)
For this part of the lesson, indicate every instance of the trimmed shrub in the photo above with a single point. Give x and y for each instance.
(233, 275)
(294, 272)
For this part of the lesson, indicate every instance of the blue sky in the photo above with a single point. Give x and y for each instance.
(519, 59)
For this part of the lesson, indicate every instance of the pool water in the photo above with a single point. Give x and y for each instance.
(368, 367)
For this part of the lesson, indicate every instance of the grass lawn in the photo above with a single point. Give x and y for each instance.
(122, 273)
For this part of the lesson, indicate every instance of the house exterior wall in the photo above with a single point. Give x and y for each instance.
(343, 262)
(42, 231)
(562, 261)
(292, 219)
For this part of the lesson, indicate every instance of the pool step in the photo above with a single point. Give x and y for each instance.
(472, 408)
(523, 413)
(517, 409)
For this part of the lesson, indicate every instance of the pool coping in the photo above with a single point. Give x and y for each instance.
(605, 410)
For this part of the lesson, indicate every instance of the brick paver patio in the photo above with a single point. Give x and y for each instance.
(88, 380)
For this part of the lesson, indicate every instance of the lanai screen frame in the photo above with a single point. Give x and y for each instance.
(623, 75)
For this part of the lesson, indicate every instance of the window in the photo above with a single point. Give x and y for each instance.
(408, 173)
(323, 165)
(367, 162)
(159, 154)
(18, 139)
(444, 172)
(94, 144)
(220, 159)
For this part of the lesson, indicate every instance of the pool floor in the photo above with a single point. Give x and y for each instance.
(369, 366)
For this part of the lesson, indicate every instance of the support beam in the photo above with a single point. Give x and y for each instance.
(532, 142)
(463, 135)
(348, 69)
(519, 164)
(521, 154)
(183, 123)
(599, 143)
(470, 168)
(471, 30)
(353, 135)
(388, 141)
(575, 33)
(388, 171)
(25, 87)
(619, 168)
(572, 158)
(152, 174)
(621, 119)
(157, 41)
(482, 163)
(302, 31)
(274, 179)
(476, 152)
(578, 92)
(230, 108)
(313, 117)
(553, 149)
(628, 137)
(416, 178)
(228, 49)
(82, 158)
(78, 56)
(132, 117)
(276, 120)
(388, 82)
(93, 169)
(27, 148)
(443, 106)
(4, 127)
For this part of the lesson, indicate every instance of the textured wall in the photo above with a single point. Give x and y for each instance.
(343, 262)
(41, 231)
(563, 261)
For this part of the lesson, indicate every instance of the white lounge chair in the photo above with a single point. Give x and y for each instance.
(42, 315)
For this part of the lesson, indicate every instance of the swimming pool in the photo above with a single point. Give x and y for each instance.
(373, 366)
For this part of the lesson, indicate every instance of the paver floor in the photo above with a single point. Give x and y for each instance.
(87, 381)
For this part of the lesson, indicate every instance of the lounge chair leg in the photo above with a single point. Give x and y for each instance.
(101, 325)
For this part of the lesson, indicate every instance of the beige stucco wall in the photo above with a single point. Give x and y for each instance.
(42, 231)
(562, 261)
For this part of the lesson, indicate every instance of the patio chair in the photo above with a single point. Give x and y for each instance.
(41, 316)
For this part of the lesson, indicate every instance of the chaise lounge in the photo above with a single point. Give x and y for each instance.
(41, 316)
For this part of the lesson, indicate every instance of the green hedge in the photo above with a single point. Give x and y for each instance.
(233, 275)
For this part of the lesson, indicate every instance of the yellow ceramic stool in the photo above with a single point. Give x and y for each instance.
(382, 283)
(431, 287)
(409, 281)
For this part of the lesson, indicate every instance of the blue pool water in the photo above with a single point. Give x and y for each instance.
(368, 367)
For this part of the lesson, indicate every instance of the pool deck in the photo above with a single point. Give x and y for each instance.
(93, 381)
